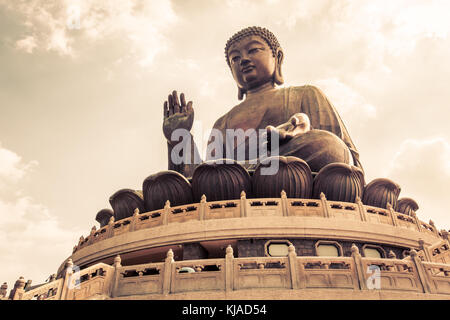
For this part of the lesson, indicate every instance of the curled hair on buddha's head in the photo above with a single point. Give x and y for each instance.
(268, 36)
(272, 42)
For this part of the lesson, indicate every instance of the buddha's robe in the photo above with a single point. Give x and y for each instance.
(276, 106)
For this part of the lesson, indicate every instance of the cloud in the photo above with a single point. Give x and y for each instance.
(12, 169)
(363, 36)
(32, 241)
(422, 168)
(350, 103)
(45, 22)
(26, 44)
(67, 27)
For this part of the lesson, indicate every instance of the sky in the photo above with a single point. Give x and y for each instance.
(82, 86)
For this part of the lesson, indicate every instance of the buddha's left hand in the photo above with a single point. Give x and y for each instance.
(298, 124)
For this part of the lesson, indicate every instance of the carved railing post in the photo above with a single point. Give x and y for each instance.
(284, 204)
(167, 280)
(92, 235)
(67, 279)
(323, 200)
(361, 209)
(202, 208)
(229, 269)
(360, 272)
(134, 220)
(425, 250)
(18, 290)
(116, 276)
(435, 230)
(80, 242)
(244, 212)
(392, 214)
(421, 272)
(3, 290)
(110, 229)
(292, 258)
(166, 213)
(414, 216)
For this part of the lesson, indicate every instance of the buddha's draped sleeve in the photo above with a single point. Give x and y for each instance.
(322, 114)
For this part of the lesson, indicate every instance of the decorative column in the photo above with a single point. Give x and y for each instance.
(3, 290)
(431, 223)
(324, 202)
(292, 258)
(229, 269)
(67, 279)
(80, 242)
(110, 229)
(425, 250)
(392, 214)
(202, 208)
(166, 213)
(168, 272)
(116, 276)
(244, 212)
(134, 220)
(92, 235)
(421, 272)
(414, 216)
(361, 209)
(284, 204)
(359, 267)
(18, 290)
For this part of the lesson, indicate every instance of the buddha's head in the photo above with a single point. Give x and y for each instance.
(254, 57)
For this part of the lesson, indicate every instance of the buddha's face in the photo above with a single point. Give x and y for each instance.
(252, 62)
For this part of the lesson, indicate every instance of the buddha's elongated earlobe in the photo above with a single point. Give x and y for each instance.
(241, 92)
(278, 77)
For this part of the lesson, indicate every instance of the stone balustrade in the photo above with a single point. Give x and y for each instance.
(389, 275)
(89, 282)
(258, 207)
(439, 252)
(48, 291)
(139, 279)
(438, 275)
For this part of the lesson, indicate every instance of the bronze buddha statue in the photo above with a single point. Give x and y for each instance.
(305, 122)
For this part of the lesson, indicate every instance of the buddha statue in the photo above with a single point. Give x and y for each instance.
(301, 118)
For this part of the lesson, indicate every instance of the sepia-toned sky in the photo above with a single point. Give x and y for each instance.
(82, 85)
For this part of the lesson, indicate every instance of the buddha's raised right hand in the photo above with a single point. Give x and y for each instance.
(177, 115)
